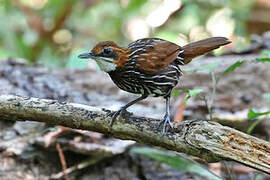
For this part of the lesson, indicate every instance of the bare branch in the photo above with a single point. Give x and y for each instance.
(207, 140)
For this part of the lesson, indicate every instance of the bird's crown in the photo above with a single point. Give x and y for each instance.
(104, 45)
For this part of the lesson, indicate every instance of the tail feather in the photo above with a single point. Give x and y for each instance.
(198, 48)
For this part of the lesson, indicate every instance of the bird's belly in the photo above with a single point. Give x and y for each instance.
(141, 83)
(130, 86)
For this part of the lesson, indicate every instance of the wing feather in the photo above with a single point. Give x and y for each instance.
(153, 54)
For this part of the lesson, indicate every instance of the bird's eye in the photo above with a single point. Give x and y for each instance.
(107, 51)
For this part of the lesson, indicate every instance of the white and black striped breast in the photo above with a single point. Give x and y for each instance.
(134, 81)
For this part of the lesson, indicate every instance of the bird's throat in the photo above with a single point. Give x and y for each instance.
(105, 65)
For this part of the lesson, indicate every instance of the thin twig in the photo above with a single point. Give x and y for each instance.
(79, 166)
(213, 95)
(62, 160)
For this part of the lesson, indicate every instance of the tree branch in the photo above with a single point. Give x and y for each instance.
(207, 140)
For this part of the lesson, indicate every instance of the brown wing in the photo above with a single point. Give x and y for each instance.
(153, 54)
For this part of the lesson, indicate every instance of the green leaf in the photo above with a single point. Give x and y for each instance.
(191, 93)
(266, 96)
(263, 59)
(194, 92)
(253, 114)
(209, 67)
(253, 125)
(176, 161)
(233, 67)
(176, 93)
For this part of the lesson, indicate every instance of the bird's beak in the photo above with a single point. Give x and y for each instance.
(87, 55)
(94, 56)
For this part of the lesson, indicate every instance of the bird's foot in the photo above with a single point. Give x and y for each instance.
(166, 120)
(114, 115)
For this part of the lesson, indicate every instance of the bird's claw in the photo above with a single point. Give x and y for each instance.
(114, 115)
(166, 120)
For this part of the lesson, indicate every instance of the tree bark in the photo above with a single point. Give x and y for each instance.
(204, 139)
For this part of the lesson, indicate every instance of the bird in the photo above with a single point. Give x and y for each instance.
(148, 67)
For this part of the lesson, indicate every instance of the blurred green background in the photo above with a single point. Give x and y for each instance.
(53, 32)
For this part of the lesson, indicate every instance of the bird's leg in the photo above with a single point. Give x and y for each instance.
(122, 109)
(167, 118)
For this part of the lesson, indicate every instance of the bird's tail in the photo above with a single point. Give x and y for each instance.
(198, 48)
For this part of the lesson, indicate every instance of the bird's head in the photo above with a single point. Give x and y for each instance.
(108, 55)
